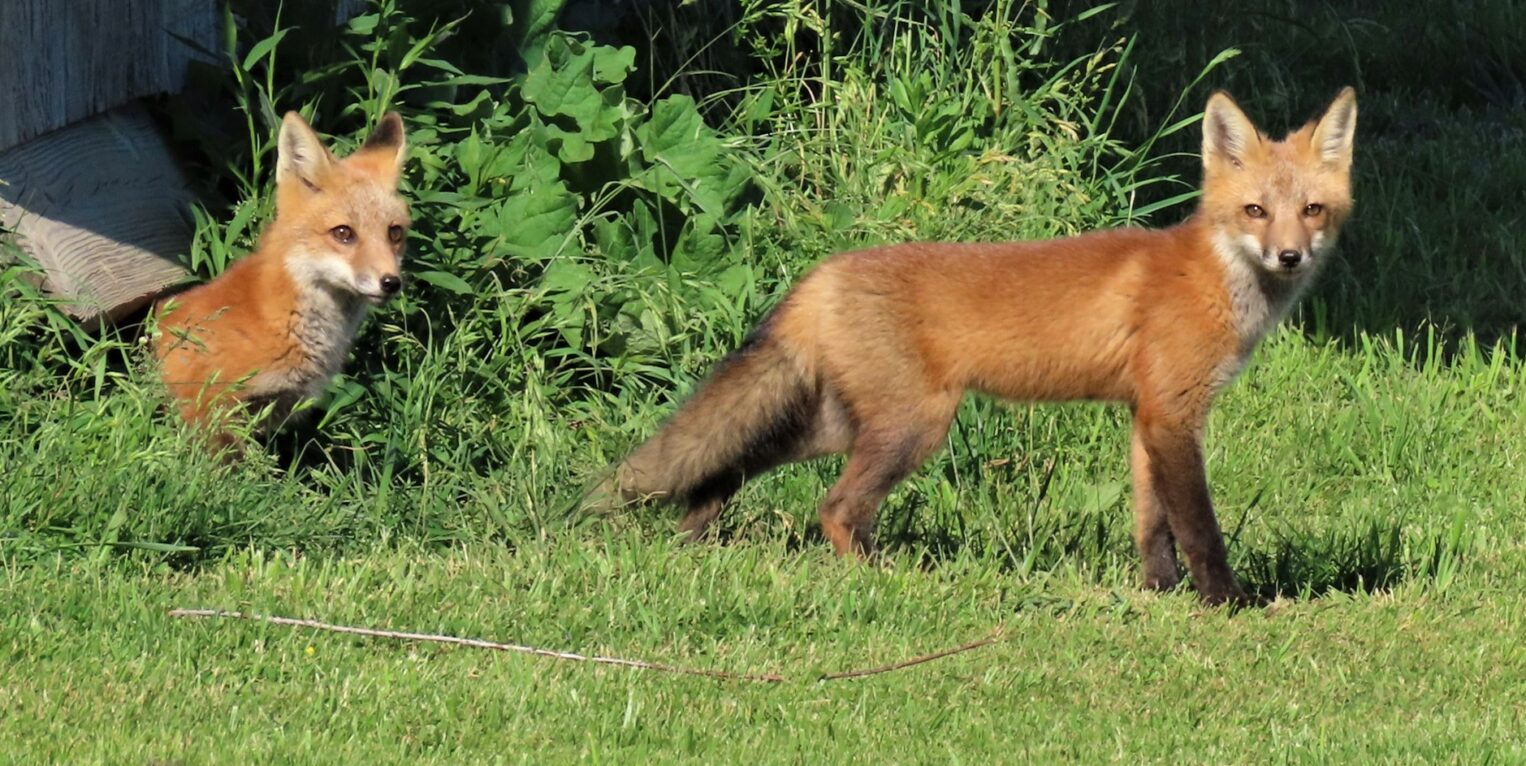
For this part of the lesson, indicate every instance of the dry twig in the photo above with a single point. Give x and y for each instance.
(987, 641)
(478, 643)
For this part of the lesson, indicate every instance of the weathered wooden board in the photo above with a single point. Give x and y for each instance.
(65, 60)
(99, 204)
(103, 208)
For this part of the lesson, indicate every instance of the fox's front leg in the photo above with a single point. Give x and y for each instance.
(1152, 529)
(1176, 472)
(212, 423)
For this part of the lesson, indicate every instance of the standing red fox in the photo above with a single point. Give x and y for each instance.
(872, 351)
(276, 326)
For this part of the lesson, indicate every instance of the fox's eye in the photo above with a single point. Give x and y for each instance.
(395, 233)
(1313, 209)
(343, 234)
(1255, 211)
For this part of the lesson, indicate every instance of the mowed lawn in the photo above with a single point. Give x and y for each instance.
(1369, 467)
(1333, 466)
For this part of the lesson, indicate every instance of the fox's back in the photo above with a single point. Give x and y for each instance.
(1047, 320)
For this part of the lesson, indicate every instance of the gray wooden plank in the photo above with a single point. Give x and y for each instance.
(103, 208)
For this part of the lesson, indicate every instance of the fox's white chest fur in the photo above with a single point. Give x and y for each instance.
(321, 329)
(1258, 302)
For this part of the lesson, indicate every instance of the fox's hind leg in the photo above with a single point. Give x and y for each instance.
(705, 504)
(825, 431)
(882, 454)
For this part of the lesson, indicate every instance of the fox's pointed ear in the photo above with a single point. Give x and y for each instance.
(300, 155)
(1335, 133)
(1227, 133)
(388, 138)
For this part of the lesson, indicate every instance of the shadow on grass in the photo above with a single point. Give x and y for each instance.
(1369, 560)
(1371, 556)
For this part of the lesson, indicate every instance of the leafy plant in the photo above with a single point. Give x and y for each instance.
(582, 255)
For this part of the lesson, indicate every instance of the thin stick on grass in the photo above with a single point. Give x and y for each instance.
(987, 641)
(477, 643)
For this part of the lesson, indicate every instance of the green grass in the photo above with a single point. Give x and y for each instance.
(585, 248)
(1383, 501)
(98, 673)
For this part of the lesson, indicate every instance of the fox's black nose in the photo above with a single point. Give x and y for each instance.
(391, 283)
(1289, 258)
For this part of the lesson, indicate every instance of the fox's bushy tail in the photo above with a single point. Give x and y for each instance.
(748, 416)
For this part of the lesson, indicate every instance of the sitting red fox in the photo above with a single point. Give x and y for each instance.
(275, 327)
(872, 351)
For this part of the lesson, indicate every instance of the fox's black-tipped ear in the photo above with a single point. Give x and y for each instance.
(1335, 133)
(300, 154)
(1227, 133)
(388, 137)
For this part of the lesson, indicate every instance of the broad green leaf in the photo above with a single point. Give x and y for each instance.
(526, 160)
(689, 164)
(364, 24)
(564, 283)
(564, 84)
(611, 65)
(700, 247)
(533, 21)
(562, 81)
(566, 276)
(570, 147)
(534, 222)
(445, 280)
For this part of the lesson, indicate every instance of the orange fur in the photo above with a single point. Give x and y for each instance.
(276, 326)
(872, 351)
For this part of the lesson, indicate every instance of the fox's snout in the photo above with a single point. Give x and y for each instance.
(1288, 261)
(1287, 249)
(1286, 258)
(1292, 237)
(378, 287)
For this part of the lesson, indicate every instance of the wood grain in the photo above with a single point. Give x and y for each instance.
(103, 208)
